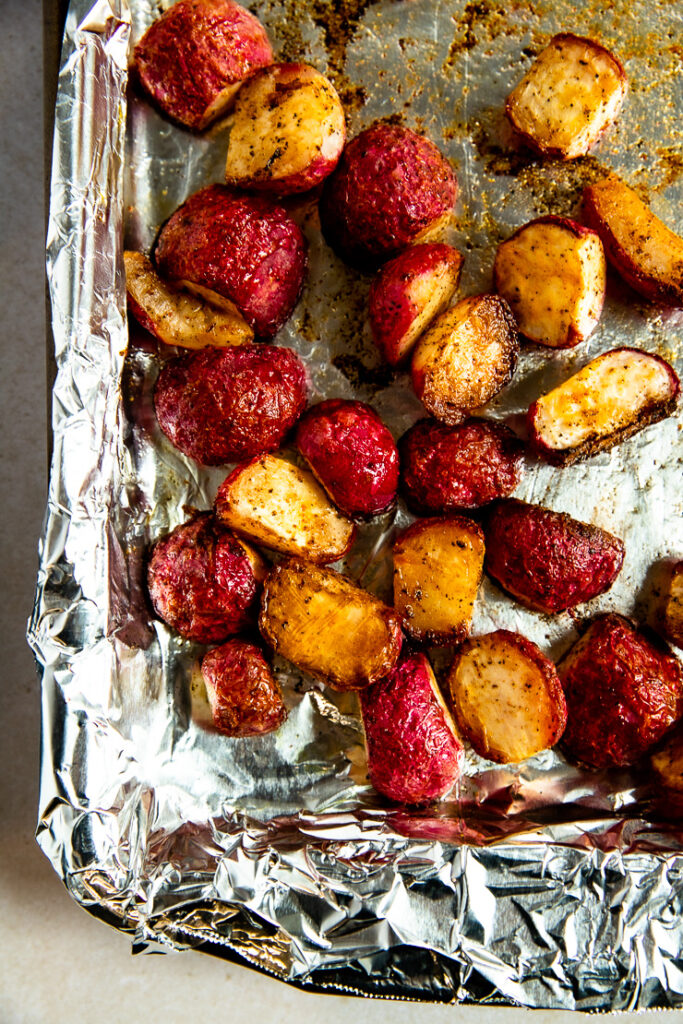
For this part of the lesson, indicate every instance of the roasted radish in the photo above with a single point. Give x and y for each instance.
(623, 691)
(671, 615)
(647, 254)
(606, 402)
(570, 95)
(391, 188)
(288, 130)
(221, 405)
(244, 248)
(352, 454)
(276, 504)
(326, 625)
(414, 752)
(451, 469)
(547, 560)
(552, 274)
(176, 316)
(244, 697)
(466, 357)
(204, 581)
(408, 293)
(506, 697)
(437, 571)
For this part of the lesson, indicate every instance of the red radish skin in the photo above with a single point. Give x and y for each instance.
(353, 455)
(225, 405)
(192, 59)
(547, 560)
(414, 752)
(408, 292)
(246, 248)
(244, 697)
(390, 188)
(623, 690)
(451, 469)
(204, 582)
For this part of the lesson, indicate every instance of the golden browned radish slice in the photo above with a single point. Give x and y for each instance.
(672, 606)
(176, 317)
(465, 357)
(552, 273)
(569, 96)
(607, 401)
(667, 764)
(288, 130)
(647, 254)
(326, 625)
(284, 508)
(437, 571)
(506, 696)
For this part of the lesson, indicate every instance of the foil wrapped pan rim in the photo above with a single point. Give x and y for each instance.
(359, 901)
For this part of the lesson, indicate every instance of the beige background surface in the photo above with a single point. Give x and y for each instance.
(58, 964)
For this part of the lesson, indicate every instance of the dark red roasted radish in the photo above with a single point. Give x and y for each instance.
(194, 58)
(244, 248)
(547, 560)
(224, 405)
(391, 188)
(352, 454)
(408, 293)
(452, 469)
(414, 752)
(506, 697)
(623, 690)
(244, 697)
(204, 581)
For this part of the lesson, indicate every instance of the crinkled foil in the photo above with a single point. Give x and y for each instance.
(539, 883)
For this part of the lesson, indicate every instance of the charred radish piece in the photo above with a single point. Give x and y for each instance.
(391, 188)
(244, 697)
(552, 273)
(329, 627)
(570, 95)
(177, 317)
(606, 402)
(220, 405)
(352, 454)
(408, 293)
(643, 250)
(437, 571)
(204, 581)
(193, 59)
(452, 469)
(671, 616)
(276, 504)
(506, 697)
(465, 358)
(667, 767)
(547, 560)
(623, 691)
(414, 752)
(241, 247)
(288, 130)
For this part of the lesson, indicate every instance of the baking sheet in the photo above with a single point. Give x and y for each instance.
(537, 883)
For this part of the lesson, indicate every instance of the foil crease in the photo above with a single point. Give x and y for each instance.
(536, 884)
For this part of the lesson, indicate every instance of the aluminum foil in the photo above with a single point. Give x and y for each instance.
(538, 883)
